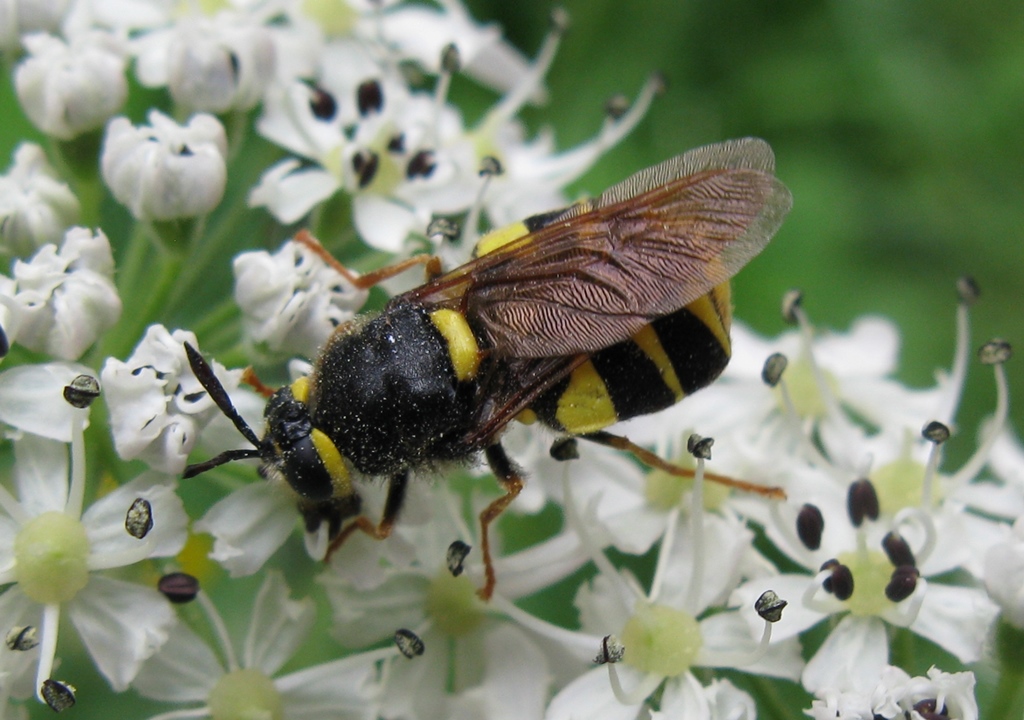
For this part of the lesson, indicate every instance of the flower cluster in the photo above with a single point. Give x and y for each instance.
(663, 593)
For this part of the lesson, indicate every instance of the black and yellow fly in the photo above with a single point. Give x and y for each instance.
(578, 318)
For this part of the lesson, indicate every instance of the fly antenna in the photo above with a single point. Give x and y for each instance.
(204, 373)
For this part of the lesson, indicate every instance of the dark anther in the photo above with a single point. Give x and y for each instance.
(862, 502)
(397, 143)
(773, 368)
(699, 447)
(968, 290)
(902, 583)
(565, 449)
(82, 391)
(770, 606)
(369, 97)
(322, 103)
(612, 651)
(422, 164)
(457, 553)
(616, 106)
(443, 229)
(792, 300)
(809, 525)
(408, 643)
(559, 19)
(365, 164)
(490, 166)
(178, 587)
(451, 61)
(139, 519)
(840, 582)
(5, 344)
(935, 432)
(57, 694)
(995, 352)
(22, 638)
(897, 550)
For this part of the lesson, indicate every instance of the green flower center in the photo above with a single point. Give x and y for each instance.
(453, 605)
(51, 554)
(336, 18)
(665, 491)
(804, 390)
(871, 574)
(245, 695)
(661, 640)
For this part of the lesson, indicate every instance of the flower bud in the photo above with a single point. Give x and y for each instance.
(166, 171)
(21, 17)
(35, 206)
(69, 89)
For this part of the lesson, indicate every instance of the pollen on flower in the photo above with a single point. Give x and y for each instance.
(51, 557)
(453, 605)
(661, 640)
(245, 694)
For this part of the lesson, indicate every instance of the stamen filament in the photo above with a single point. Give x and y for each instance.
(934, 457)
(738, 659)
(531, 83)
(993, 428)
(664, 553)
(810, 596)
(76, 492)
(905, 613)
(597, 556)
(638, 694)
(813, 455)
(692, 604)
(582, 643)
(958, 372)
(198, 712)
(219, 629)
(48, 645)
(927, 525)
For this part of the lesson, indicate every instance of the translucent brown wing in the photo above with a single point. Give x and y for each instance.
(646, 247)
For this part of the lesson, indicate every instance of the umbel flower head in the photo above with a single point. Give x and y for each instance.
(53, 551)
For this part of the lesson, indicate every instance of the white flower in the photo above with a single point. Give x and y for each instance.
(32, 398)
(21, 17)
(50, 551)
(166, 171)
(292, 300)
(875, 572)
(404, 582)
(895, 694)
(67, 297)
(158, 408)
(188, 671)
(1004, 574)
(35, 206)
(67, 89)
(212, 64)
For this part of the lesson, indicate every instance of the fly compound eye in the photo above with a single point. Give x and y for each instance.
(305, 471)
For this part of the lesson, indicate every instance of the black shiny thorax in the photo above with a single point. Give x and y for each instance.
(387, 396)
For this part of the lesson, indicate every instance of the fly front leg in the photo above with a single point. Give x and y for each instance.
(397, 487)
(511, 481)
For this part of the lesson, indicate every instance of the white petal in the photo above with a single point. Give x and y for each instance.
(289, 193)
(590, 697)
(362, 618)
(726, 632)
(16, 610)
(383, 223)
(729, 702)
(41, 473)
(121, 624)
(32, 398)
(851, 658)
(104, 520)
(957, 619)
(184, 670)
(516, 677)
(278, 625)
(248, 526)
(346, 689)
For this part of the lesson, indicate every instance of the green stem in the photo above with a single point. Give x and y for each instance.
(1007, 701)
(151, 304)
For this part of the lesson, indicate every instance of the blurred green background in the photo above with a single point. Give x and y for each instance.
(897, 124)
